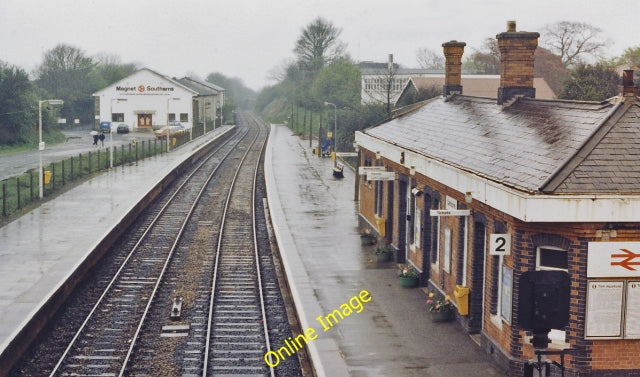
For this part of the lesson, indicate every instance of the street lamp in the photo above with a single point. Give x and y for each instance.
(111, 130)
(335, 131)
(41, 143)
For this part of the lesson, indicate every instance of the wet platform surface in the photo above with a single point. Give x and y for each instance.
(39, 250)
(315, 219)
(316, 222)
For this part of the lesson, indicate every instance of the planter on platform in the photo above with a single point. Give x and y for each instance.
(441, 316)
(408, 281)
(383, 257)
(367, 239)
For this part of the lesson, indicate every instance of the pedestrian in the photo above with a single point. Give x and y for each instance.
(95, 139)
(102, 139)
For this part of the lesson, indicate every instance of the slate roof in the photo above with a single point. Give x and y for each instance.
(532, 145)
(477, 85)
(609, 162)
(202, 88)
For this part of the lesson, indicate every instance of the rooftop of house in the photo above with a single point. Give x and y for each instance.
(478, 85)
(533, 145)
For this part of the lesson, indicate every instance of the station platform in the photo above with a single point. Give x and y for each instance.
(315, 219)
(40, 250)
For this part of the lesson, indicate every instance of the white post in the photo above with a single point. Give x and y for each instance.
(40, 148)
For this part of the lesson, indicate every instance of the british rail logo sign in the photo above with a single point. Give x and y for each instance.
(613, 259)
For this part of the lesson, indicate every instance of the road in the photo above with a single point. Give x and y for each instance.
(78, 140)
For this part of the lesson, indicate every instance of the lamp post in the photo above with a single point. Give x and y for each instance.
(335, 131)
(111, 130)
(40, 142)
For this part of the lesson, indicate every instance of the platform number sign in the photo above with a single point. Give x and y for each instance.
(499, 244)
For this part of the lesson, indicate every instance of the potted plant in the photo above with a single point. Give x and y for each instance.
(440, 308)
(366, 238)
(409, 277)
(383, 253)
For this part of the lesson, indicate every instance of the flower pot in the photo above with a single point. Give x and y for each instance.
(408, 281)
(383, 257)
(441, 316)
(367, 240)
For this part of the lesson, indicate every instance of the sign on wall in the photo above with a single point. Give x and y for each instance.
(506, 293)
(632, 312)
(499, 244)
(613, 259)
(604, 309)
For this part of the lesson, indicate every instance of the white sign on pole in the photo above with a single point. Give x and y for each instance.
(499, 244)
(604, 309)
(446, 212)
(613, 259)
(363, 170)
(381, 176)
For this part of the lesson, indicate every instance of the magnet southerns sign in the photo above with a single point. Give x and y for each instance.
(613, 259)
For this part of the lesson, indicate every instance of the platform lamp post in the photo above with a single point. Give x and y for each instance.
(41, 143)
(335, 131)
(111, 130)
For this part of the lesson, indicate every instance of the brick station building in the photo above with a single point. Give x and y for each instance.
(557, 180)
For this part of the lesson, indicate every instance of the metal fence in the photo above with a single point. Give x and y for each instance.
(20, 192)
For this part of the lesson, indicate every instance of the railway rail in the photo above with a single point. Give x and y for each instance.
(188, 297)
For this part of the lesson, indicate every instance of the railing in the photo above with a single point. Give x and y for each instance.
(20, 192)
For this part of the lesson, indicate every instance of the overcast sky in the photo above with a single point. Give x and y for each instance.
(248, 38)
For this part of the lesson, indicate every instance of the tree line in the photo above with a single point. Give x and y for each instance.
(570, 58)
(68, 73)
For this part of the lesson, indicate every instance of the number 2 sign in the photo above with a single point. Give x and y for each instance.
(499, 244)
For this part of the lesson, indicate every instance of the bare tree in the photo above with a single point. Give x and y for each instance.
(318, 44)
(429, 59)
(573, 41)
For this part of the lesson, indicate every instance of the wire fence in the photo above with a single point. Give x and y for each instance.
(20, 192)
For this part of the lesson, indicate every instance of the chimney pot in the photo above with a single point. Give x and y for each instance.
(511, 26)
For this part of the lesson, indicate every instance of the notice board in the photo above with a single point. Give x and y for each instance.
(604, 309)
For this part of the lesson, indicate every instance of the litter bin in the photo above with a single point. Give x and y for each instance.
(380, 223)
(462, 299)
(47, 177)
(333, 156)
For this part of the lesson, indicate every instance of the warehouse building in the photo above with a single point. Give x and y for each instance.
(487, 190)
(147, 99)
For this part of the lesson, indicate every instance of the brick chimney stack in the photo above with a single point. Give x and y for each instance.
(628, 87)
(453, 51)
(517, 50)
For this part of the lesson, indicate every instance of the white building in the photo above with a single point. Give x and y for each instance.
(147, 99)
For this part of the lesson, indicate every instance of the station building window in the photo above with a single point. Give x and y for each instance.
(172, 117)
(184, 117)
(117, 117)
(553, 258)
(435, 231)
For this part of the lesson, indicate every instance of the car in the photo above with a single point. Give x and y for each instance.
(123, 129)
(105, 127)
(162, 133)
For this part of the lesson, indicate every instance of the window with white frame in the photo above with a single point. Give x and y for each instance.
(553, 258)
(418, 226)
(447, 250)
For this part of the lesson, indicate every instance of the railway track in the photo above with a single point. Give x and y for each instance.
(188, 298)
